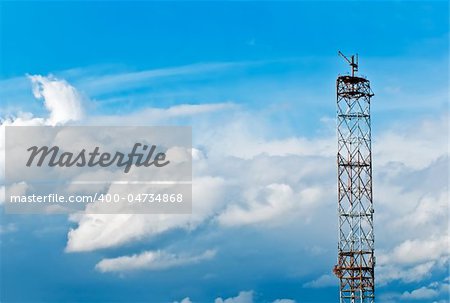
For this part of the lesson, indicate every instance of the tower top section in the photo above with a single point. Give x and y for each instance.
(353, 62)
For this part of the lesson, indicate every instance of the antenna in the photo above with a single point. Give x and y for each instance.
(355, 266)
(353, 63)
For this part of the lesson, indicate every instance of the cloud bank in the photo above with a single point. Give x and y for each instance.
(244, 178)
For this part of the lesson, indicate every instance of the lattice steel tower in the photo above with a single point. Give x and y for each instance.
(356, 261)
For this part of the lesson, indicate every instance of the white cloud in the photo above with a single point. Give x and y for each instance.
(117, 82)
(430, 208)
(242, 297)
(422, 293)
(61, 99)
(245, 136)
(273, 201)
(415, 146)
(193, 109)
(436, 292)
(284, 301)
(96, 231)
(432, 291)
(322, 281)
(150, 116)
(413, 260)
(21, 119)
(409, 274)
(18, 189)
(416, 251)
(63, 102)
(151, 260)
(2, 194)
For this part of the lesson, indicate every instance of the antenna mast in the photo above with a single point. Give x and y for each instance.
(353, 63)
(356, 260)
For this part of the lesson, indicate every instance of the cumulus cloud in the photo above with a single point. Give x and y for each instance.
(414, 230)
(61, 99)
(63, 102)
(260, 192)
(242, 297)
(422, 293)
(408, 274)
(247, 297)
(436, 292)
(21, 119)
(151, 260)
(96, 231)
(416, 251)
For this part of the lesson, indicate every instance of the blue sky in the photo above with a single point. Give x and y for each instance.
(258, 79)
(148, 35)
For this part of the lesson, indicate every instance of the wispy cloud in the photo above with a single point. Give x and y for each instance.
(151, 260)
(127, 80)
(153, 116)
(322, 281)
